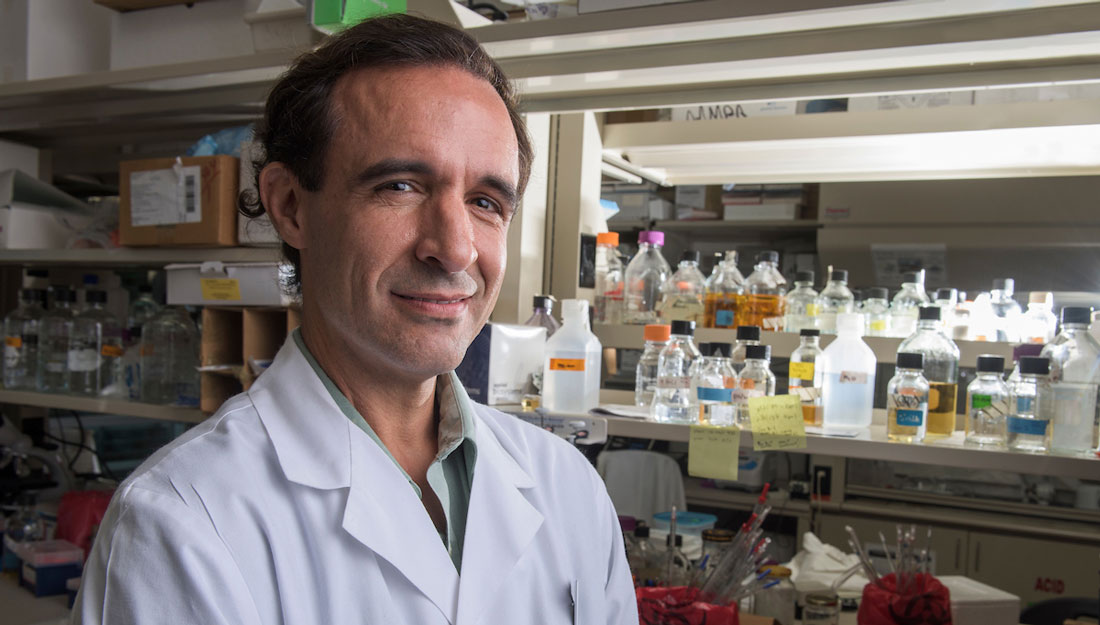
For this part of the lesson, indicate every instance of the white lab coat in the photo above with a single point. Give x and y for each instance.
(278, 509)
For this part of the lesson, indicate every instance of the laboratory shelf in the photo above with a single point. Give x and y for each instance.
(782, 505)
(872, 444)
(102, 405)
(783, 343)
(717, 227)
(137, 256)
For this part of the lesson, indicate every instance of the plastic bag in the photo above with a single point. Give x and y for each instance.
(928, 602)
(678, 606)
(226, 141)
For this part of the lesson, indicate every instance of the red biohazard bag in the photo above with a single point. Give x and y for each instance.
(925, 601)
(678, 606)
(79, 515)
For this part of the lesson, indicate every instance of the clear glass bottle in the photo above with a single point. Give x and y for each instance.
(142, 309)
(906, 304)
(1018, 352)
(1028, 430)
(804, 377)
(961, 318)
(1039, 324)
(644, 560)
(941, 369)
(1006, 310)
(848, 377)
(21, 328)
(755, 380)
(778, 597)
(170, 359)
(609, 279)
(677, 567)
(907, 400)
(763, 302)
(802, 304)
(1075, 381)
(645, 381)
(836, 298)
(644, 275)
(987, 405)
(723, 292)
(682, 294)
(746, 335)
(95, 348)
(876, 311)
(714, 380)
(674, 401)
(542, 315)
(715, 277)
(947, 299)
(983, 321)
(571, 368)
(53, 354)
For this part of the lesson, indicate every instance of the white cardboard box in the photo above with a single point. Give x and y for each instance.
(733, 110)
(502, 362)
(227, 284)
(975, 603)
(750, 212)
(927, 100)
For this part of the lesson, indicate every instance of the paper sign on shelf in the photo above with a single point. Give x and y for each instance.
(713, 452)
(777, 423)
(221, 289)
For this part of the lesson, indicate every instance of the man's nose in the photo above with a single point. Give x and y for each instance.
(446, 237)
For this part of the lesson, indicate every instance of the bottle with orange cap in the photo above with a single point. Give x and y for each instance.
(645, 382)
(609, 279)
(682, 294)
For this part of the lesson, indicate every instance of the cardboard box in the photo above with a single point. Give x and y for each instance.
(595, 6)
(179, 201)
(502, 363)
(733, 110)
(975, 603)
(638, 206)
(698, 202)
(35, 215)
(215, 283)
(927, 100)
(750, 212)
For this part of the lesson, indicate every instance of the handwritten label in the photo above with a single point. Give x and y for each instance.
(713, 452)
(802, 371)
(777, 423)
(567, 364)
(852, 377)
(221, 289)
(13, 341)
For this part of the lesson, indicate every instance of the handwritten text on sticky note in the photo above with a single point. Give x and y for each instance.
(777, 423)
(713, 452)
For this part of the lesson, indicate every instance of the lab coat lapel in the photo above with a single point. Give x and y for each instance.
(500, 525)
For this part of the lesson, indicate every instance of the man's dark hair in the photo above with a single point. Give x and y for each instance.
(298, 122)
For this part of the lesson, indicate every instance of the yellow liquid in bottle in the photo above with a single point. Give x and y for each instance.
(765, 311)
(811, 414)
(941, 409)
(720, 310)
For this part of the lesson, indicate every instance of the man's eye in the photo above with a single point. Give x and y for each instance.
(397, 186)
(486, 204)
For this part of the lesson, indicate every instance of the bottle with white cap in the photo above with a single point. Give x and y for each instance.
(571, 369)
(1039, 324)
(848, 384)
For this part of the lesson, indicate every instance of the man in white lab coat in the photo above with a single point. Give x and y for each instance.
(355, 482)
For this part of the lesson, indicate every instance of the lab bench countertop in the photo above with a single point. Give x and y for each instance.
(23, 608)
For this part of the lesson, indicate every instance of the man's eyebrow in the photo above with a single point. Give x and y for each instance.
(391, 166)
(508, 191)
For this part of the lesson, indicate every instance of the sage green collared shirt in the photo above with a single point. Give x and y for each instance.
(451, 474)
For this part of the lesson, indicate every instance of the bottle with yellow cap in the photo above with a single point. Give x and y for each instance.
(609, 279)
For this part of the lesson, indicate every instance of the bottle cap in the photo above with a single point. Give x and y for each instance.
(679, 540)
(692, 255)
(759, 352)
(95, 297)
(64, 294)
(1004, 284)
(988, 363)
(774, 571)
(770, 256)
(608, 238)
(1076, 314)
(876, 292)
(910, 276)
(683, 328)
(543, 301)
(809, 332)
(627, 523)
(910, 360)
(721, 350)
(857, 294)
(948, 294)
(658, 332)
(748, 333)
(804, 276)
(705, 349)
(641, 531)
(574, 309)
(718, 536)
(840, 275)
(653, 237)
(1034, 365)
(930, 313)
(1041, 297)
(1026, 349)
(849, 322)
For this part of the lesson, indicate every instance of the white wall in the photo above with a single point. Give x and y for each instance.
(66, 38)
(13, 40)
(176, 34)
(16, 156)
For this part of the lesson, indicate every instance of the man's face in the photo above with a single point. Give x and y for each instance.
(405, 240)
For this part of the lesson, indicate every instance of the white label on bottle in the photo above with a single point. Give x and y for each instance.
(807, 394)
(852, 377)
(83, 359)
(674, 382)
(11, 356)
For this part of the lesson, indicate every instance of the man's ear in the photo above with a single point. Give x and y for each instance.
(282, 198)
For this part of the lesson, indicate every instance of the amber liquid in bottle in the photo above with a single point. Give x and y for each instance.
(720, 310)
(765, 311)
(941, 408)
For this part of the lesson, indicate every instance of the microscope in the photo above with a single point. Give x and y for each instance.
(29, 470)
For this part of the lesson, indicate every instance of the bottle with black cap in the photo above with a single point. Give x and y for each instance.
(21, 341)
(802, 304)
(876, 311)
(907, 400)
(674, 401)
(987, 404)
(1075, 378)
(746, 335)
(53, 353)
(836, 298)
(1028, 427)
(907, 303)
(714, 380)
(941, 368)
(542, 315)
(804, 377)
(95, 349)
(947, 299)
(763, 304)
(1006, 310)
(756, 380)
(682, 294)
(724, 289)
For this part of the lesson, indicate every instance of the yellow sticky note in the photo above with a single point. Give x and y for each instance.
(221, 289)
(713, 452)
(777, 423)
(802, 371)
